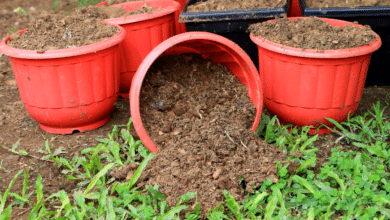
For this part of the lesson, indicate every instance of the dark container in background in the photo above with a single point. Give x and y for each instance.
(379, 20)
(231, 24)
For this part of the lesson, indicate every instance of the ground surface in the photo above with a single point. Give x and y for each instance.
(17, 127)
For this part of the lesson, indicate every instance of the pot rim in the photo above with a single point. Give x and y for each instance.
(322, 54)
(62, 53)
(174, 6)
(181, 41)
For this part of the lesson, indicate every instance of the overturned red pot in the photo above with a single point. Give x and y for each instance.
(303, 87)
(71, 89)
(144, 32)
(217, 48)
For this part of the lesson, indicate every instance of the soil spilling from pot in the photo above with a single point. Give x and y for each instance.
(232, 5)
(52, 32)
(200, 116)
(313, 33)
(345, 3)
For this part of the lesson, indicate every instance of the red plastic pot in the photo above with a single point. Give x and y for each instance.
(68, 89)
(303, 87)
(144, 32)
(219, 49)
(179, 27)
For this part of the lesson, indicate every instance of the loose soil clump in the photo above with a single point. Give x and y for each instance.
(313, 33)
(345, 3)
(53, 32)
(200, 116)
(232, 5)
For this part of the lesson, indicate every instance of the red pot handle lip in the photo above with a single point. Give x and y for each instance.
(323, 54)
(61, 53)
(138, 78)
(174, 6)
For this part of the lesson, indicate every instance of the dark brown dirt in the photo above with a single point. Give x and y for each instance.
(200, 117)
(231, 5)
(345, 3)
(52, 32)
(312, 33)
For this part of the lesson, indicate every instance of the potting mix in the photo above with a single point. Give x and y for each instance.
(231, 5)
(113, 2)
(52, 32)
(200, 117)
(313, 33)
(345, 3)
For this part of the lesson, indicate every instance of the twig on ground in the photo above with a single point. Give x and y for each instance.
(24, 211)
(230, 138)
(28, 155)
(5, 71)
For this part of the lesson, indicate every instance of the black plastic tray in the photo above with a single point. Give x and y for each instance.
(344, 12)
(231, 24)
(379, 20)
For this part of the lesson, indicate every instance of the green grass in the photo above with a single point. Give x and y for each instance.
(353, 184)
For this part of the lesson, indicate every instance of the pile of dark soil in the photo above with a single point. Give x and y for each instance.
(200, 116)
(345, 3)
(231, 5)
(52, 32)
(313, 33)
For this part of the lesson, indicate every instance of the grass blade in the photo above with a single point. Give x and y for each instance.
(306, 164)
(65, 202)
(6, 214)
(173, 212)
(256, 201)
(311, 215)
(94, 180)
(232, 204)
(279, 195)
(138, 172)
(110, 209)
(339, 126)
(269, 210)
(308, 142)
(339, 181)
(25, 183)
(39, 187)
(186, 197)
(5, 195)
(304, 182)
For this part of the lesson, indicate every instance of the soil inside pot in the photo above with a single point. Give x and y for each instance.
(52, 32)
(200, 116)
(113, 2)
(107, 12)
(312, 33)
(231, 5)
(345, 3)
